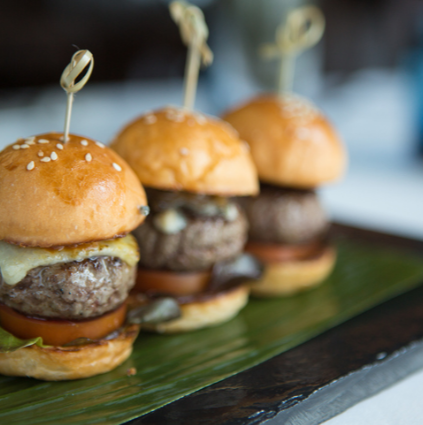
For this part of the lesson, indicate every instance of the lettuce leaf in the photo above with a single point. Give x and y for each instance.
(10, 343)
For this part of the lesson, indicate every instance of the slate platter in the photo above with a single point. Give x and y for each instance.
(324, 376)
(371, 269)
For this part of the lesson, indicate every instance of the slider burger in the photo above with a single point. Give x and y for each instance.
(192, 241)
(66, 257)
(295, 150)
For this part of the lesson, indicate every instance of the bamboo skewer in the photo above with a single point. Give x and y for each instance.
(194, 34)
(80, 60)
(303, 28)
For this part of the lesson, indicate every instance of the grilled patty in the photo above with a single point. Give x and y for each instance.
(284, 216)
(75, 290)
(205, 230)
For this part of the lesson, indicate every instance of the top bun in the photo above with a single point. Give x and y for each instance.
(174, 149)
(291, 142)
(84, 192)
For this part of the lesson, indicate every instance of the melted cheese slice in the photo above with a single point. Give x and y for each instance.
(16, 261)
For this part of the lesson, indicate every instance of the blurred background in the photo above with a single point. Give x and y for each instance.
(366, 75)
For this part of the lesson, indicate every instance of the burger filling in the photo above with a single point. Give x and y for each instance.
(186, 232)
(76, 290)
(290, 220)
(185, 239)
(79, 282)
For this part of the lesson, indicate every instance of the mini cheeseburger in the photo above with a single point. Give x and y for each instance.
(67, 261)
(295, 150)
(193, 238)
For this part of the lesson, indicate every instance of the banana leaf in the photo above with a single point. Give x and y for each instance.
(170, 367)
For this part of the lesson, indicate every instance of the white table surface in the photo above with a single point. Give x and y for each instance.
(391, 200)
(400, 404)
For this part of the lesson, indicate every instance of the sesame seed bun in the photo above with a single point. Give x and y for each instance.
(63, 363)
(291, 142)
(174, 149)
(54, 193)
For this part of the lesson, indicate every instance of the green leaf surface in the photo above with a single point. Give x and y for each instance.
(9, 343)
(170, 367)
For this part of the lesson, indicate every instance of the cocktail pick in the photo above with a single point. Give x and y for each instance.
(302, 29)
(194, 34)
(80, 60)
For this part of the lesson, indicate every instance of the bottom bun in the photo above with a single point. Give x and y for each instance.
(205, 313)
(63, 363)
(289, 277)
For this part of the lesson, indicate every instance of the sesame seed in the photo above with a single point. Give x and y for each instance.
(16, 147)
(201, 119)
(84, 143)
(150, 119)
(42, 141)
(179, 117)
(231, 130)
(117, 167)
(30, 142)
(302, 133)
(88, 157)
(30, 166)
(53, 156)
(59, 146)
(170, 116)
(46, 159)
(100, 145)
(184, 151)
(24, 146)
(40, 154)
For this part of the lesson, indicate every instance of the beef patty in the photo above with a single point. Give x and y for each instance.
(75, 290)
(185, 232)
(284, 216)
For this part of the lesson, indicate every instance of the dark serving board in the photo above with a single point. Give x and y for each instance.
(322, 377)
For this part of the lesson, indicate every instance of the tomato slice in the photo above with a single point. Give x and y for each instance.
(172, 283)
(275, 253)
(59, 332)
